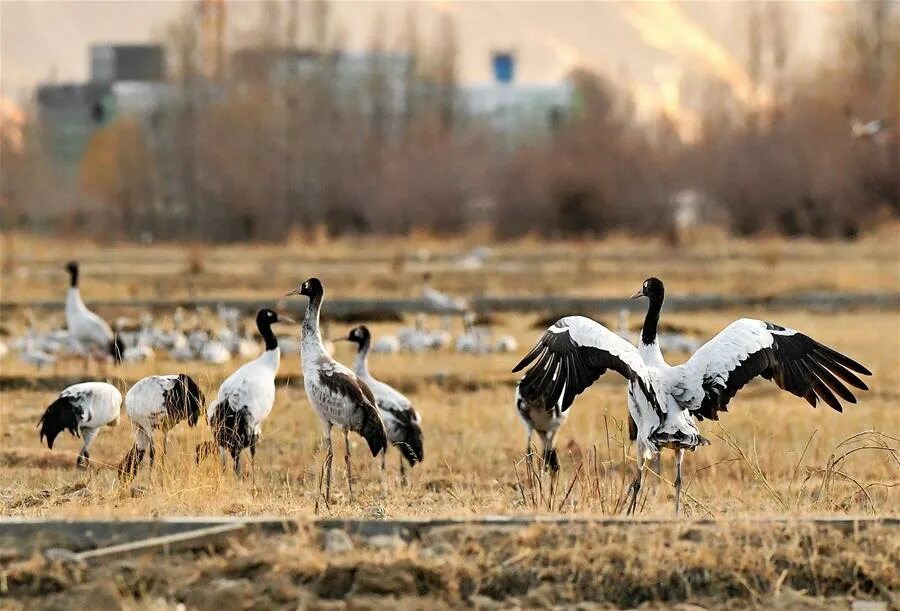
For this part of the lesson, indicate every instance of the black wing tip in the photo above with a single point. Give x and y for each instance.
(410, 453)
(373, 432)
(845, 360)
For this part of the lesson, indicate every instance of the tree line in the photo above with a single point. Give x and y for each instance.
(248, 157)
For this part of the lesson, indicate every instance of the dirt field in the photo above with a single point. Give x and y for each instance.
(772, 455)
(733, 565)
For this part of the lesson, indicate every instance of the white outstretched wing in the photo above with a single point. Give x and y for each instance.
(748, 348)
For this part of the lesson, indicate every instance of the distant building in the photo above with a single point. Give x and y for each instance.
(124, 80)
(521, 111)
(69, 113)
(111, 63)
(372, 83)
(516, 111)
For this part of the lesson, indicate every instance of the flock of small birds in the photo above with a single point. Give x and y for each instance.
(219, 336)
(664, 402)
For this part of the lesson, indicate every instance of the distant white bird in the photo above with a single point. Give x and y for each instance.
(440, 338)
(182, 352)
(544, 419)
(334, 391)
(386, 344)
(441, 302)
(175, 339)
(214, 352)
(246, 397)
(86, 327)
(33, 355)
(473, 340)
(402, 423)
(288, 344)
(475, 258)
(865, 130)
(663, 400)
(158, 402)
(141, 349)
(82, 409)
(414, 339)
(505, 344)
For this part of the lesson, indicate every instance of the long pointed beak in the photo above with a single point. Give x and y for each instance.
(638, 295)
(293, 292)
(287, 319)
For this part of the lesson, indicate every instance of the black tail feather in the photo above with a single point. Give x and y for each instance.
(372, 430)
(61, 415)
(233, 428)
(184, 401)
(411, 446)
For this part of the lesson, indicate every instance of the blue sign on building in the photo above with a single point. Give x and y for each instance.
(504, 63)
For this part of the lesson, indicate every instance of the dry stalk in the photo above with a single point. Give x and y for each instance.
(755, 469)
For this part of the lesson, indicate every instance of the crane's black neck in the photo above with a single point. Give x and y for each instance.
(651, 320)
(73, 277)
(265, 329)
(362, 346)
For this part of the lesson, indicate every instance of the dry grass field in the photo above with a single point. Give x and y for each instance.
(772, 455)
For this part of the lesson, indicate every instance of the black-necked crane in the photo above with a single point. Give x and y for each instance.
(86, 327)
(82, 409)
(246, 398)
(158, 402)
(576, 350)
(402, 424)
(334, 391)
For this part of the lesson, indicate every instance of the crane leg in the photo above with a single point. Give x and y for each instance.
(528, 450)
(84, 457)
(325, 474)
(129, 466)
(223, 453)
(236, 455)
(636, 484)
(165, 443)
(679, 457)
(551, 460)
(348, 462)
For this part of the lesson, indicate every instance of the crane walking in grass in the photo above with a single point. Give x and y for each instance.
(245, 398)
(334, 391)
(87, 329)
(158, 402)
(82, 409)
(402, 422)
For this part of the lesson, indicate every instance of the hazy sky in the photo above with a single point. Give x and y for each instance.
(649, 44)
